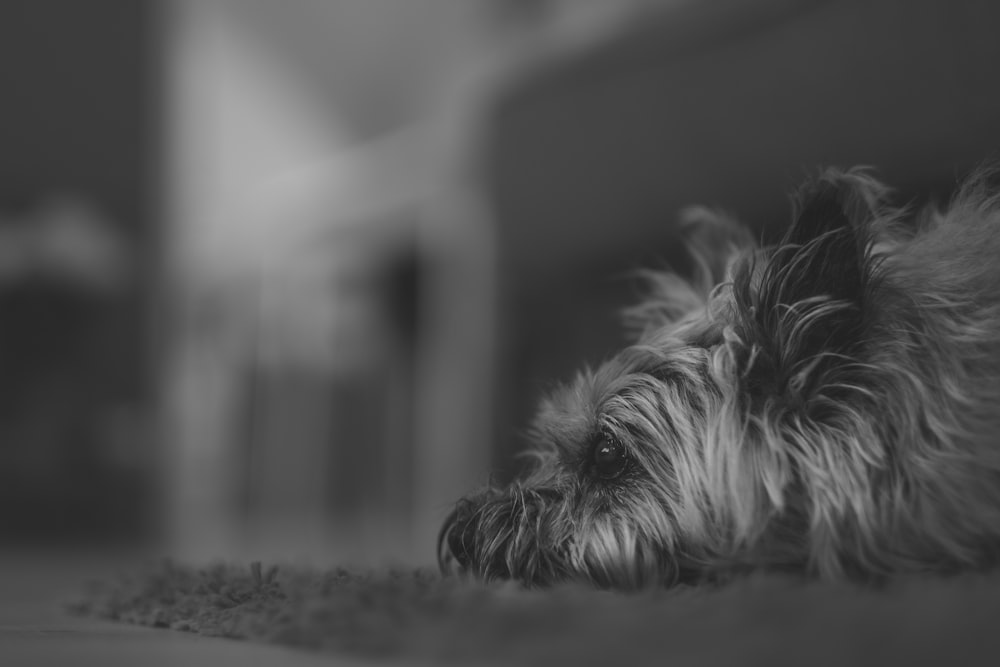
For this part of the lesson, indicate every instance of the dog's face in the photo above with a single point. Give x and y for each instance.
(663, 460)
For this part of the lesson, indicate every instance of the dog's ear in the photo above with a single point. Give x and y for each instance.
(801, 307)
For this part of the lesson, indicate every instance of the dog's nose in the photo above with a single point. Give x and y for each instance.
(459, 545)
(455, 543)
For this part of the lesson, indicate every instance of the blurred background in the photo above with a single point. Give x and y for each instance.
(285, 279)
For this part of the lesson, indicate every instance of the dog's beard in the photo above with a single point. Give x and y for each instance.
(517, 533)
(535, 536)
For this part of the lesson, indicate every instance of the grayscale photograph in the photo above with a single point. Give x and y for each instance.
(499, 332)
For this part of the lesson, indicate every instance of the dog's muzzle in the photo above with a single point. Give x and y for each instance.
(511, 534)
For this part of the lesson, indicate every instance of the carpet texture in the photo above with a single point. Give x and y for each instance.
(418, 615)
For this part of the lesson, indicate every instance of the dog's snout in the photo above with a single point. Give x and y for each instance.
(455, 542)
(504, 533)
(460, 545)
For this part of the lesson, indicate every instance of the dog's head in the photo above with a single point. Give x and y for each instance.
(676, 452)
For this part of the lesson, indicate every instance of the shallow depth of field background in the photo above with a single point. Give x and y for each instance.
(285, 278)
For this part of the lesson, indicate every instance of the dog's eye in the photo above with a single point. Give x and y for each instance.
(609, 457)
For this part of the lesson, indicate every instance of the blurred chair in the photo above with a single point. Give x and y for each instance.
(328, 379)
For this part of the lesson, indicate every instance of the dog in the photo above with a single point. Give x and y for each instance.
(829, 406)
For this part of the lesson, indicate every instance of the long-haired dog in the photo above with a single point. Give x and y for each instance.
(829, 405)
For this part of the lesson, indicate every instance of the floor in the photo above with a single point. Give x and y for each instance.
(35, 630)
(933, 622)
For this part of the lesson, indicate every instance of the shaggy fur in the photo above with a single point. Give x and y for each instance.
(829, 405)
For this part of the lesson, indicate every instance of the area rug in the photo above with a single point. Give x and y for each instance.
(417, 615)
